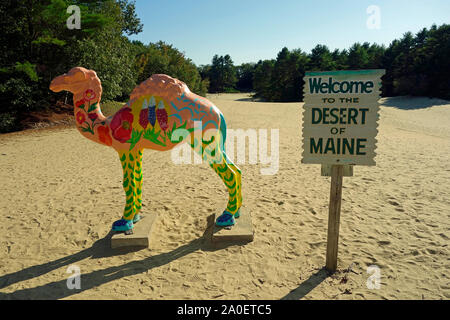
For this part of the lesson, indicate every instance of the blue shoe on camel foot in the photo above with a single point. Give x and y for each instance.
(225, 220)
(122, 225)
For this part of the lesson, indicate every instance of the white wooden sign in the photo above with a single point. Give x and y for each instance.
(340, 118)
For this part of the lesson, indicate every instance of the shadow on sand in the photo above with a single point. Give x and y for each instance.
(308, 285)
(412, 103)
(101, 249)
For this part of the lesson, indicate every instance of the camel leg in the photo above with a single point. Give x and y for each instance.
(239, 181)
(129, 164)
(138, 181)
(231, 177)
(214, 153)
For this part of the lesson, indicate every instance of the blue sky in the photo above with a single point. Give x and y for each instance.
(250, 30)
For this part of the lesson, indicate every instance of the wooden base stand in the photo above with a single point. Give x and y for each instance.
(141, 234)
(242, 231)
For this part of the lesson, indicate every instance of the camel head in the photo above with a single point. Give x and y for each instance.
(77, 81)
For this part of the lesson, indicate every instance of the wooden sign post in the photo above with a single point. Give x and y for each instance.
(334, 216)
(339, 131)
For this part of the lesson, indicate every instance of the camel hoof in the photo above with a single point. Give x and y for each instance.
(122, 225)
(225, 220)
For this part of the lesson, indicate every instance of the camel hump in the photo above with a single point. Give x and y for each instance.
(160, 85)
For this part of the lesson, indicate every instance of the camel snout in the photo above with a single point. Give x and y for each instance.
(58, 84)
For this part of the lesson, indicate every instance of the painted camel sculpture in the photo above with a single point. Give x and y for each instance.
(161, 113)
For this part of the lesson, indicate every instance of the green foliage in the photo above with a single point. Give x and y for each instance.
(164, 58)
(28, 69)
(262, 79)
(17, 94)
(321, 59)
(244, 74)
(415, 65)
(111, 57)
(109, 108)
(222, 74)
(36, 45)
(281, 79)
(8, 122)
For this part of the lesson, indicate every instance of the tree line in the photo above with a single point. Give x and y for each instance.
(36, 45)
(415, 65)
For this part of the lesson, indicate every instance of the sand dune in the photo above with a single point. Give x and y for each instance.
(61, 192)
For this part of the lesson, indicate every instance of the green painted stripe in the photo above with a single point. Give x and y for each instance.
(232, 186)
(128, 193)
(125, 183)
(343, 72)
(127, 214)
(222, 170)
(229, 180)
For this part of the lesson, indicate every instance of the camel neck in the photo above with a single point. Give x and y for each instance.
(88, 116)
(89, 102)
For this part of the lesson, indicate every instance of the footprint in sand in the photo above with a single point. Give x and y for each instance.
(397, 205)
(394, 203)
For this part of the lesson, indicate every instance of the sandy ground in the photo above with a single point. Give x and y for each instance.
(60, 193)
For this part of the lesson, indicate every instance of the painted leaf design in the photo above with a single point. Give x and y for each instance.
(135, 137)
(92, 107)
(153, 136)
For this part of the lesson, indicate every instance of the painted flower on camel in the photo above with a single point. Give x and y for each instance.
(89, 95)
(93, 116)
(80, 103)
(161, 115)
(122, 125)
(103, 135)
(143, 115)
(81, 117)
